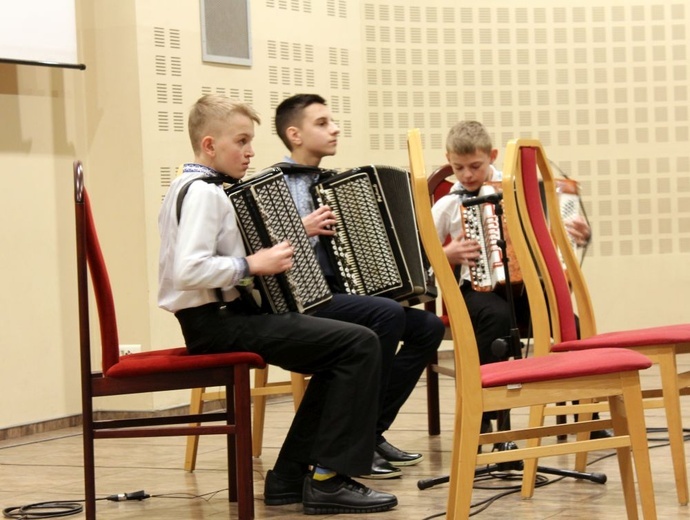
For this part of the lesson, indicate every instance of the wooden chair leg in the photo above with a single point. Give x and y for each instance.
(529, 471)
(433, 398)
(464, 460)
(561, 419)
(239, 410)
(259, 402)
(89, 466)
(671, 396)
(196, 405)
(299, 386)
(624, 414)
(581, 458)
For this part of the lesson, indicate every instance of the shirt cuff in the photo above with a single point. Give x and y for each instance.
(243, 267)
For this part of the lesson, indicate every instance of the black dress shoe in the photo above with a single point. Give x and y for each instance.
(398, 457)
(486, 427)
(601, 434)
(381, 469)
(280, 490)
(341, 494)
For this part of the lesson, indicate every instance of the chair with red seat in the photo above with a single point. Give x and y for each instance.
(547, 244)
(609, 373)
(439, 185)
(153, 371)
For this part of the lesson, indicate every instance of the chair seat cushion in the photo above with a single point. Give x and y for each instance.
(562, 366)
(651, 336)
(178, 360)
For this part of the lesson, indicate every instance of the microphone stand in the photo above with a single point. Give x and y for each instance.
(512, 343)
(513, 347)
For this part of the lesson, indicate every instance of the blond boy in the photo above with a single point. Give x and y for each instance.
(202, 251)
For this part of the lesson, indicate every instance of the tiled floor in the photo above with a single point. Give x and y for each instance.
(47, 467)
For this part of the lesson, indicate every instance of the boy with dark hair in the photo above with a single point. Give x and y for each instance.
(202, 251)
(306, 127)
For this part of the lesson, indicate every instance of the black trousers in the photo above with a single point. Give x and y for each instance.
(408, 337)
(490, 316)
(335, 423)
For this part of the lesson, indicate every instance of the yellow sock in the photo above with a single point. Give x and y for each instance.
(322, 474)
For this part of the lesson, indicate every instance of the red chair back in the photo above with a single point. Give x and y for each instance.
(438, 182)
(110, 346)
(439, 186)
(537, 217)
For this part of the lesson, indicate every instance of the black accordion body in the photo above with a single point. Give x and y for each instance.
(267, 215)
(376, 249)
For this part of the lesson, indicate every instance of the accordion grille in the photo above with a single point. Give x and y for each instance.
(267, 215)
(361, 248)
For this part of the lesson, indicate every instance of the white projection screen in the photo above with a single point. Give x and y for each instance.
(39, 32)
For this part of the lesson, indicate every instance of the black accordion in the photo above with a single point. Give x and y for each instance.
(376, 249)
(267, 215)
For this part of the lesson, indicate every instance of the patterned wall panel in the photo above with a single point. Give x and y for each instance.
(605, 89)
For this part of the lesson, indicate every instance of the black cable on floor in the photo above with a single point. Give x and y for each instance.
(58, 508)
(540, 479)
(53, 509)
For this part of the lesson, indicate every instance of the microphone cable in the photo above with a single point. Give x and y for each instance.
(53, 509)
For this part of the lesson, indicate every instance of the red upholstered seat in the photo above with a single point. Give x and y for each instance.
(563, 366)
(173, 360)
(154, 371)
(667, 335)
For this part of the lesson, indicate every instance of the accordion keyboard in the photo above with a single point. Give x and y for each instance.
(481, 223)
(267, 215)
(363, 255)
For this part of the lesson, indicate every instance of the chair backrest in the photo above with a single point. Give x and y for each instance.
(465, 351)
(90, 259)
(438, 182)
(525, 160)
(439, 186)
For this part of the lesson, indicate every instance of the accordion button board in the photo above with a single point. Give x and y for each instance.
(267, 215)
(376, 249)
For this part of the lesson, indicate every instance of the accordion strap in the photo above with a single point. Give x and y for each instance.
(217, 180)
(289, 168)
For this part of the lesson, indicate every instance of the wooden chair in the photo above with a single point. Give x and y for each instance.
(261, 390)
(439, 186)
(610, 373)
(153, 371)
(524, 160)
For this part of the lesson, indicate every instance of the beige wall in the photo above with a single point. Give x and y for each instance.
(605, 86)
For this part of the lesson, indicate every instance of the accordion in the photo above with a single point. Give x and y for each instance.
(267, 215)
(482, 224)
(376, 249)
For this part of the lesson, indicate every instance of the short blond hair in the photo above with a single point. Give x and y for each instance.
(211, 109)
(467, 137)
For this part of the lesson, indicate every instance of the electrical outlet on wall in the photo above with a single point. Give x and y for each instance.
(126, 350)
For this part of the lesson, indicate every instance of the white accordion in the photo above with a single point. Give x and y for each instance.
(481, 223)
